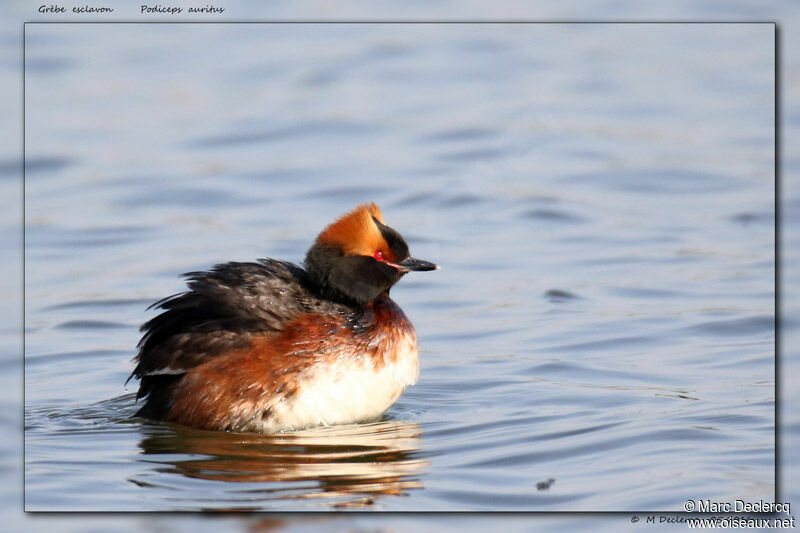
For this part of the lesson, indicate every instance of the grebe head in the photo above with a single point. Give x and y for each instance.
(358, 257)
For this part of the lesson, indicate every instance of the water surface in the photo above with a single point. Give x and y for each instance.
(601, 199)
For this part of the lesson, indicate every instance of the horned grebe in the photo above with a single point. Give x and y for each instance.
(269, 346)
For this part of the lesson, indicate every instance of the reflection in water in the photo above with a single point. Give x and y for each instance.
(352, 462)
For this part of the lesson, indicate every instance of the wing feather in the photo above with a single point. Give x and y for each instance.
(221, 311)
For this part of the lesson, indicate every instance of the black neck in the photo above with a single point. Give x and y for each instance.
(350, 279)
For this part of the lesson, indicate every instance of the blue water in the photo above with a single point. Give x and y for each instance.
(600, 197)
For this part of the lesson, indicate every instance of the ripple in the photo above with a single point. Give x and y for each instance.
(458, 135)
(472, 335)
(92, 237)
(498, 498)
(446, 389)
(277, 175)
(739, 327)
(352, 193)
(610, 343)
(108, 416)
(460, 200)
(476, 154)
(585, 376)
(101, 304)
(37, 165)
(48, 358)
(417, 199)
(528, 457)
(753, 218)
(728, 419)
(302, 129)
(510, 423)
(194, 197)
(645, 293)
(90, 324)
(49, 65)
(658, 181)
(560, 296)
(553, 215)
(449, 304)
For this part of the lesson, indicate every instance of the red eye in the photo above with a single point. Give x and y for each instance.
(379, 256)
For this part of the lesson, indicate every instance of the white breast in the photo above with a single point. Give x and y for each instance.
(346, 391)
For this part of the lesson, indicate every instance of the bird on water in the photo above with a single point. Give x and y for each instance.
(269, 346)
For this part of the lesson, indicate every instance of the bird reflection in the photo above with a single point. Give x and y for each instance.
(350, 465)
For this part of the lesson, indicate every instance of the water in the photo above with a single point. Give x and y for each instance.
(600, 197)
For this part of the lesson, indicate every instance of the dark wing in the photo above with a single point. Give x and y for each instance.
(221, 311)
